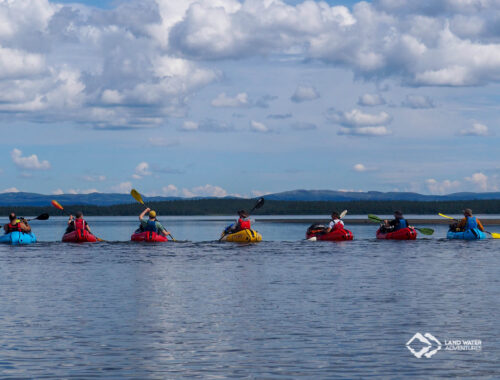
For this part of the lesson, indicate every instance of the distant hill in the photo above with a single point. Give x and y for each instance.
(332, 195)
(109, 199)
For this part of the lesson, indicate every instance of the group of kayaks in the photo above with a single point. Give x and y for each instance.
(314, 233)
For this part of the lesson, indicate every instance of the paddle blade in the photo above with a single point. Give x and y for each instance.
(446, 216)
(57, 205)
(374, 218)
(495, 235)
(259, 203)
(342, 214)
(42, 217)
(135, 194)
(426, 231)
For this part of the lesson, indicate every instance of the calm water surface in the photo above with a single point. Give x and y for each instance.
(284, 308)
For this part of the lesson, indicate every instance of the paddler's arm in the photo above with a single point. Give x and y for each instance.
(162, 229)
(461, 223)
(144, 213)
(479, 225)
(25, 227)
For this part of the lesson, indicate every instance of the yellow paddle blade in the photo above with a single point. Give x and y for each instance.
(446, 216)
(342, 214)
(136, 196)
(495, 235)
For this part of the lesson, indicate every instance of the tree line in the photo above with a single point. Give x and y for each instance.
(230, 206)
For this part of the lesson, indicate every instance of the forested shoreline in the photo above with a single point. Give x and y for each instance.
(230, 206)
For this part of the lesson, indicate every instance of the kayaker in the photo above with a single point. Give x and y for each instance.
(469, 222)
(398, 223)
(151, 224)
(77, 223)
(16, 224)
(242, 223)
(335, 223)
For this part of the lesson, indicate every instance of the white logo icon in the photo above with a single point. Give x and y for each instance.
(426, 339)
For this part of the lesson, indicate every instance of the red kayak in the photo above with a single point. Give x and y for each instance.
(148, 236)
(79, 236)
(317, 231)
(402, 234)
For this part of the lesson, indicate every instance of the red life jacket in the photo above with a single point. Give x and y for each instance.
(14, 227)
(79, 224)
(244, 224)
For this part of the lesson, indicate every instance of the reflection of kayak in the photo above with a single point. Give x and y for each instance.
(336, 235)
(17, 237)
(79, 236)
(402, 234)
(473, 234)
(243, 236)
(148, 236)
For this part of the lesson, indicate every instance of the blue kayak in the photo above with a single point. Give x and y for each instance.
(473, 234)
(17, 237)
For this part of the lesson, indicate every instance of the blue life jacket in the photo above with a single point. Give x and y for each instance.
(471, 223)
(151, 226)
(402, 224)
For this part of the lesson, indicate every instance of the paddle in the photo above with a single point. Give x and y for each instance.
(44, 216)
(57, 205)
(494, 235)
(135, 194)
(259, 204)
(425, 231)
(342, 214)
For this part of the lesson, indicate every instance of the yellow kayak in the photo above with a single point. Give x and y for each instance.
(243, 236)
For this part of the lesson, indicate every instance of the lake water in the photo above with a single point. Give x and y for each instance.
(284, 308)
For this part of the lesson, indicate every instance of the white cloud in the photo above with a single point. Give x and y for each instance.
(10, 190)
(418, 102)
(170, 191)
(371, 100)
(204, 191)
(123, 187)
(481, 182)
(58, 192)
(364, 131)
(258, 127)
(360, 168)
(259, 193)
(30, 162)
(141, 170)
(476, 130)
(222, 100)
(442, 187)
(190, 126)
(80, 191)
(357, 118)
(304, 93)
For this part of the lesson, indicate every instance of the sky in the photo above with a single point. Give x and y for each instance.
(227, 97)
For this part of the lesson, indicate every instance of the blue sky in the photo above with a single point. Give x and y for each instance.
(249, 97)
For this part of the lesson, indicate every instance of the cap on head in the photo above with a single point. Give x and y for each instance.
(243, 213)
(398, 213)
(152, 214)
(468, 212)
(79, 214)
